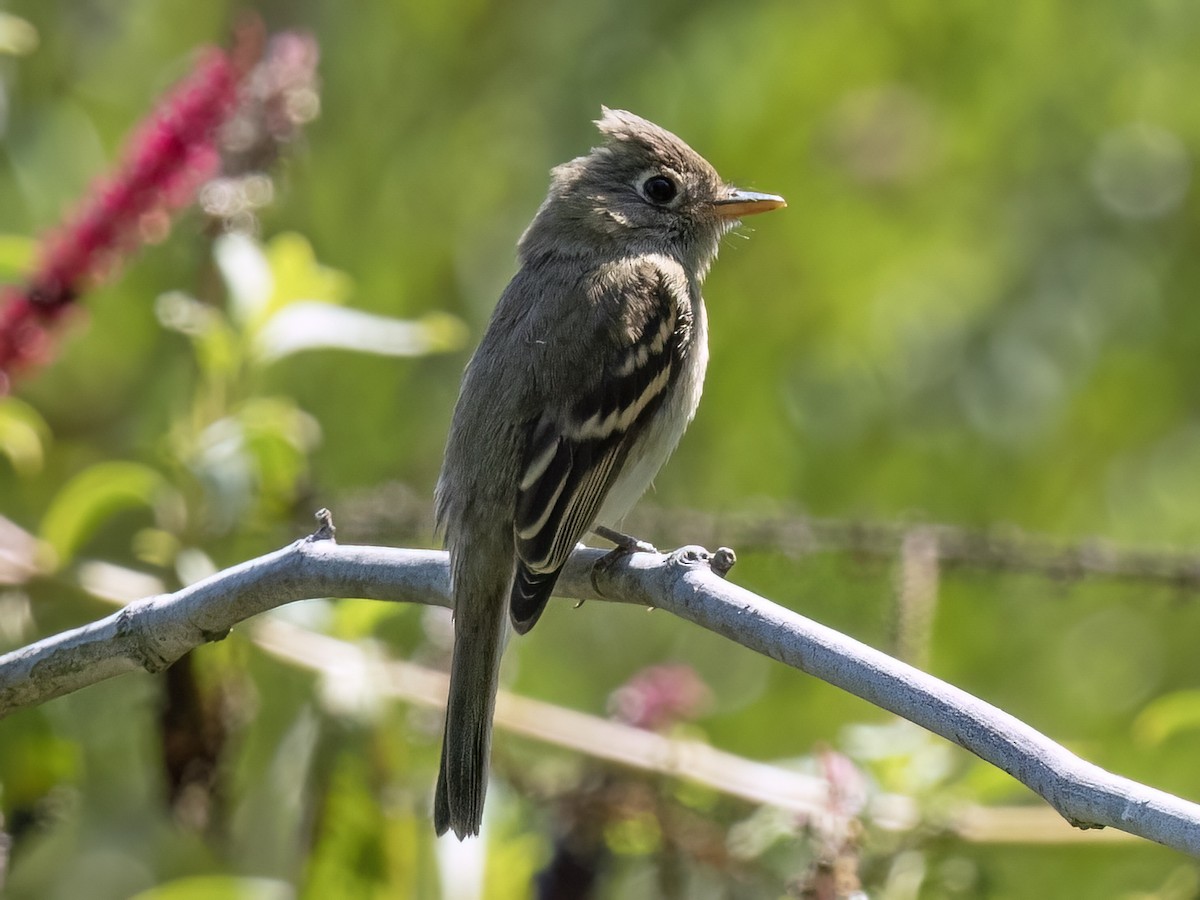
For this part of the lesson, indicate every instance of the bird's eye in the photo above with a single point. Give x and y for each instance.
(659, 189)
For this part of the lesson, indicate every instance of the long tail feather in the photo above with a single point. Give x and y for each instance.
(480, 622)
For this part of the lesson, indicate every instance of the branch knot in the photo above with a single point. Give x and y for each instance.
(693, 556)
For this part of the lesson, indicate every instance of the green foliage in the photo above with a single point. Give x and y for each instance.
(1167, 716)
(23, 436)
(978, 308)
(16, 255)
(93, 496)
(218, 887)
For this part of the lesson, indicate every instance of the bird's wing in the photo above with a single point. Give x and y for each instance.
(574, 452)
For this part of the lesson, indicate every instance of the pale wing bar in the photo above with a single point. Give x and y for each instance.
(570, 465)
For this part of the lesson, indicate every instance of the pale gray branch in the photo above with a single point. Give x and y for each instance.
(150, 634)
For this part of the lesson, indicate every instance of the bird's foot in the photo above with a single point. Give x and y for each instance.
(625, 545)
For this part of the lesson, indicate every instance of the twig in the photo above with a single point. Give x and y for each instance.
(397, 509)
(152, 633)
(916, 597)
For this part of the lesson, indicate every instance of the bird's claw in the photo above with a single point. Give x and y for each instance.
(626, 544)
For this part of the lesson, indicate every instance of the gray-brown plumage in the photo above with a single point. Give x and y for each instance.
(589, 371)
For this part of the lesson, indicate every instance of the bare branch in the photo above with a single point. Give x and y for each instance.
(391, 509)
(152, 633)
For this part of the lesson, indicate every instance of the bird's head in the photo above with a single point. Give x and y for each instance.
(643, 190)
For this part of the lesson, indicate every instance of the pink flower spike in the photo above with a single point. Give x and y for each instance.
(169, 157)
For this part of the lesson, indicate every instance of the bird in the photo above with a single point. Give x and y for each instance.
(590, 369)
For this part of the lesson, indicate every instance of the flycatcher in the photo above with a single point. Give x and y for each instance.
(589, 372)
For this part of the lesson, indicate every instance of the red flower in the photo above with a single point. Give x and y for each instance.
(660, 696)
(170, 156)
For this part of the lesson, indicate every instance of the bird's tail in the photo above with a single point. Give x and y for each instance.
(480, 624)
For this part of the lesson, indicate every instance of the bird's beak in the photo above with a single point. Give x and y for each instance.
(736, 204)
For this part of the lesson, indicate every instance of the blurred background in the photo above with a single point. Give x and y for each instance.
(951, 410)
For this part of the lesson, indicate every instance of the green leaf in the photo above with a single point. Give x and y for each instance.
(298, 275)
(278, 436)
(264, 279)
(24, 435)
(17, 36)
(313, 325)
(83, 504)
(247, 274)
(17, 253)
(256, 457)
(1168, 715)
(219, 887)
(36, 759)
(215, 343)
